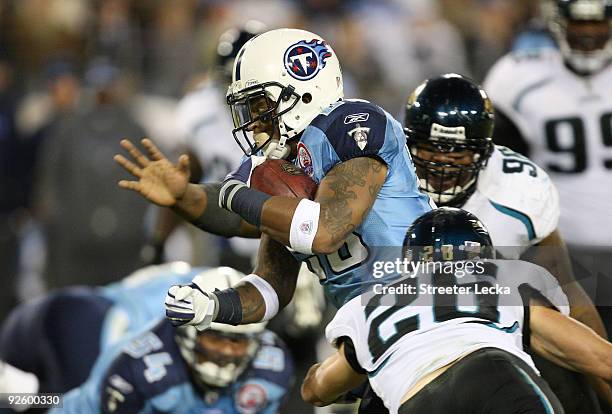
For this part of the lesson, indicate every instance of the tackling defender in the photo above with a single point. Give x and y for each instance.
(444, 353)
(449, 123)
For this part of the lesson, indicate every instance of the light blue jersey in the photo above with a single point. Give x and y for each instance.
(74, 325)
(139, 298)
(145, 373)
(351, 129)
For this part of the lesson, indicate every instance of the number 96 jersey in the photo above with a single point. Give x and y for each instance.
(566, 122)
(516, 201)
(418, 325)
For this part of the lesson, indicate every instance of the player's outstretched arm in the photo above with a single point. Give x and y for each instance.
(552, 254)
(570, 344)
(158, 180)
(325, 382)
(167, 185)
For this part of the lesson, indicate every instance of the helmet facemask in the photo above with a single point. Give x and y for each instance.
(447, 167)
(206, 355)
(257, 116)
(583, 31)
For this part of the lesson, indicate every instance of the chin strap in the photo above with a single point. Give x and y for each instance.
(277, 150)
(274, 149)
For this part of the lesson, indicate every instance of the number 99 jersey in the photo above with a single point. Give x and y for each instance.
(403, 335)
(566, 122)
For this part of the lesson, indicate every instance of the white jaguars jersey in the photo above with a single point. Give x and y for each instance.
(399, 345)
(516, 201)
(206, 124)
(567, 122)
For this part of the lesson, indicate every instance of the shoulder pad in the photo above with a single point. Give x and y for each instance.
(522, 273)
(341, 324)
(516, 186)
(354, 128)
(516, 74)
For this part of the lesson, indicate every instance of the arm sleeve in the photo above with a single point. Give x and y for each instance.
(351, 355)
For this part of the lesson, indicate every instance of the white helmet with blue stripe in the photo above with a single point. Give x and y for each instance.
(282, 79)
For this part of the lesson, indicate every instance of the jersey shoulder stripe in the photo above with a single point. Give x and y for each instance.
(354, 128)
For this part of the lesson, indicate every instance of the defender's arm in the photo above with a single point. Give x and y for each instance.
(330, 379)
(552, 254)
(569, 343)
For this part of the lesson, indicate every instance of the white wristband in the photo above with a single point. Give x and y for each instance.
(304, 225)
(267, 292)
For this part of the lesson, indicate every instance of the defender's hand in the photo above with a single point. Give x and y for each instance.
(189, 305)
(159, 181)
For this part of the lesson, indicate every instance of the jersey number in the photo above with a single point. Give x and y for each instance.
(350, 255)
(567, 136)
(517, 163)
(445, 308)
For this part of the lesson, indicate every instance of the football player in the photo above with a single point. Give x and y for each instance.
(449, 123)
(437, 349)
(59, 336)
(292, 107)
(229, 369)
(555, 105)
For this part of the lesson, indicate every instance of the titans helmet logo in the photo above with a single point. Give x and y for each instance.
(303, 60)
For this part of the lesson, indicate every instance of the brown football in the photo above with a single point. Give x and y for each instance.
(282, 178)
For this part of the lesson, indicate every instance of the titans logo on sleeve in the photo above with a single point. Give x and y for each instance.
(304, 60)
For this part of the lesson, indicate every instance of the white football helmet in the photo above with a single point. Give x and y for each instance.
(587, 52)
(296, 72)
(215, 369)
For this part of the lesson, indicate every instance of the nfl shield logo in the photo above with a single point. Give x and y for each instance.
(306, 227)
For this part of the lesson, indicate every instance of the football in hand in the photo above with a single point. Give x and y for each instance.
(282, 178)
